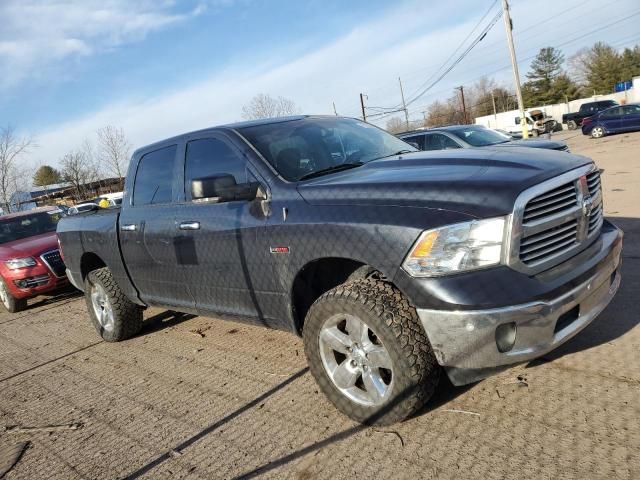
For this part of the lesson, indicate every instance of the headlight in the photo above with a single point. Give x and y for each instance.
(457, 248)
(23, 262)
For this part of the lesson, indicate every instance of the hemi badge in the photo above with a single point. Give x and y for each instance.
(279, 249)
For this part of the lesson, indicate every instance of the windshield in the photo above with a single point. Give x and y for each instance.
(28, 225)
(298, 148)
(480, 137)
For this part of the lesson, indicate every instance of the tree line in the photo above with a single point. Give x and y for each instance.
(550, 80)
(105, 156)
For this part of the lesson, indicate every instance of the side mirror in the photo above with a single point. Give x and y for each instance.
(222, 188)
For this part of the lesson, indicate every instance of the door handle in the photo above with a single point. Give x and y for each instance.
(189, 226)
(131, 227)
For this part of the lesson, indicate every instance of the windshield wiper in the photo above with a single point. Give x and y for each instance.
(399, 152)
(335, 168)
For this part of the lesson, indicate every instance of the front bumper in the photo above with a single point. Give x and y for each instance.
(465, 341)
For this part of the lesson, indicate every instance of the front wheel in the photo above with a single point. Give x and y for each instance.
(369, 353)
(597, 132)
(11, 303)
(114, 316)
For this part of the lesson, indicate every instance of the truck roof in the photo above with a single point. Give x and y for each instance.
(232, 126)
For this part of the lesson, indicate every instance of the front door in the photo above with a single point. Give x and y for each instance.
(148, 231)
(220, 249)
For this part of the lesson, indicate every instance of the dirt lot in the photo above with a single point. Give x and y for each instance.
(202, 398)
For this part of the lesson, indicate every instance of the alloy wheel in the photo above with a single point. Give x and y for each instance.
(597, 132)
(355, 360)
(102, 307)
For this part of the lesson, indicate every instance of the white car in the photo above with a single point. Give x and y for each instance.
(81, 207)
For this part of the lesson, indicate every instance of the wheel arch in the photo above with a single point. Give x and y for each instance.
(89, 262)
(320, 275)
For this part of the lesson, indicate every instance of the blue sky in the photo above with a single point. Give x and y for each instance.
(158, 68)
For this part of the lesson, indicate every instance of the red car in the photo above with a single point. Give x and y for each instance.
(30, 261)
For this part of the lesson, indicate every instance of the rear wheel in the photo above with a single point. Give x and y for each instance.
(597, 132)
(114, 316)
(572, 125)
(368, 352)
(11, 303)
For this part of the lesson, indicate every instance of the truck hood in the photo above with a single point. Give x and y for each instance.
(28, 247)
(478, 182)
(532, 143)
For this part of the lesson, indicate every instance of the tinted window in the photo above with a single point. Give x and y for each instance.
(478, 136)
(612, 112)
(154, 177)
(437, 141)
(630, 109)
(415, 140)
(212, 157)
(28, 225)
(300, 147)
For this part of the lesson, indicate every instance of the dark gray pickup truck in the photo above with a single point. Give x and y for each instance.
(393, 264)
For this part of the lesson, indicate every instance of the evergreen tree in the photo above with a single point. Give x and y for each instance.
(46, 175)
(630, 63)
(603, 69)
(547, 82)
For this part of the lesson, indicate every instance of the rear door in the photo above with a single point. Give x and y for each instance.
(148, 231)
(219, 239)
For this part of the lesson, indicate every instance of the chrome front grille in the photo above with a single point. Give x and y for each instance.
(551, 203)
(549, 242)
(555, 220)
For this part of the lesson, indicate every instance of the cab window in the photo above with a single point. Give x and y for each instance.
(154, 177)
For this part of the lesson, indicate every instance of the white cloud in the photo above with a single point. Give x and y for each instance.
(37, 35)
(366, 59)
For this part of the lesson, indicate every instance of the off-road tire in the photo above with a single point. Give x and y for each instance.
(395, 321)
(127, 315)
(12, 304)
(572, 125)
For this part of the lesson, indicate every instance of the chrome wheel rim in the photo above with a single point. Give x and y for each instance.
(597, 132)
(102, 307)
(355, 360)
(4, 296)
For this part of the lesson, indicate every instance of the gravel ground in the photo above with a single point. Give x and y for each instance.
(193, 397)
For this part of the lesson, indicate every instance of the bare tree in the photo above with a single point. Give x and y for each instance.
(265, 106)
(396, 125)
(578, 66)
(113, 150)
(78, 170)
(12, 148)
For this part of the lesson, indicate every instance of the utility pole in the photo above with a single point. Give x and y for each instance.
(493, 101)
(464, 108)
(364, 115)
(508, 26)
(404, 105)
(334, 108)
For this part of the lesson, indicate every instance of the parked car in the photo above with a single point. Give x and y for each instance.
(82, 207)
(391, 263)
(624, 118)
(472, 136)
(30, 262)
(574, 120)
